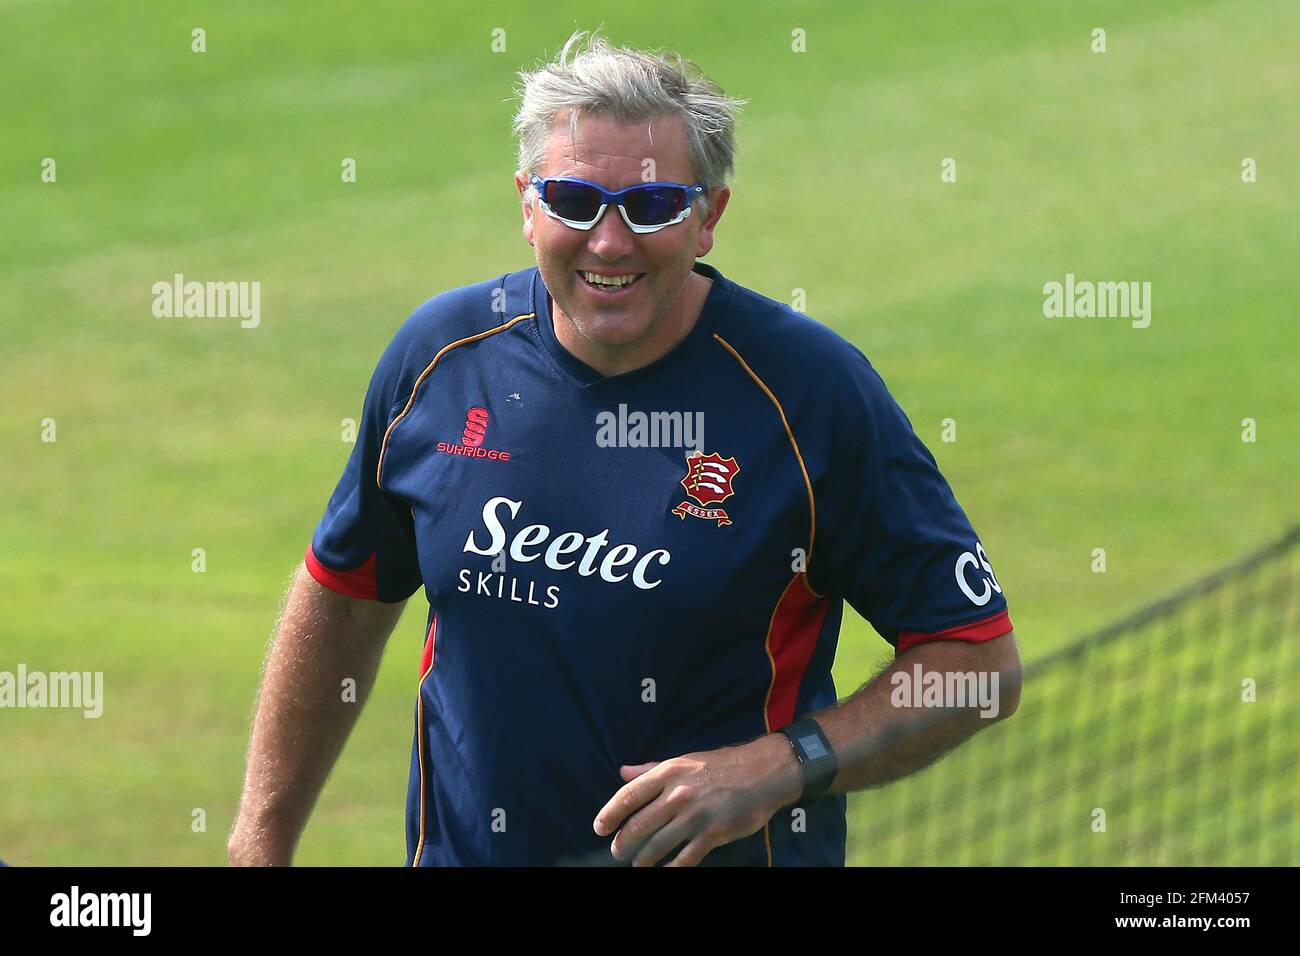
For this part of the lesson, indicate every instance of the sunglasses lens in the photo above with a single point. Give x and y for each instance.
(573, 201)
(654, 205)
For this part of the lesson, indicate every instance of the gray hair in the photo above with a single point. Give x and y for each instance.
(631, 86)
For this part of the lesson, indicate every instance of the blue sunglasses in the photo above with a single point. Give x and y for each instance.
(646, 207)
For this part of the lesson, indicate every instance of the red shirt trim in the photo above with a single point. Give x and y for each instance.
(426, 658)
(791, 640)
(358, 583)
(976, 631)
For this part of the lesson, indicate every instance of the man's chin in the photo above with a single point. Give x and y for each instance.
(607, 334)
(608, 326)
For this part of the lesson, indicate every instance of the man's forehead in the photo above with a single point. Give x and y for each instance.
(601, 142)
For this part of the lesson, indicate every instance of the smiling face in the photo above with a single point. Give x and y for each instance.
(624, 329)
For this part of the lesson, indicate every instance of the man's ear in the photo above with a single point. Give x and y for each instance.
(523, 185)
(718, 199)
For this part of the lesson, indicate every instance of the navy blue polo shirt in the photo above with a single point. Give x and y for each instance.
(630, 568)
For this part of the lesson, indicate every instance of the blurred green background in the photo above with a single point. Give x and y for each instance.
(175, 434)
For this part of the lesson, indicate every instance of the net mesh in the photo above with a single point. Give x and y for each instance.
(1168, 738)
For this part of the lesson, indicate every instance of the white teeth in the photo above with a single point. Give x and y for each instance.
(608, 280)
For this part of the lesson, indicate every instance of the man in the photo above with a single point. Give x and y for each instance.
(619, 631)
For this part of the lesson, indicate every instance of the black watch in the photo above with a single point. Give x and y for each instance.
(816, 759)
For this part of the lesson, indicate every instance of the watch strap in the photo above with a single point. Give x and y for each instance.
(816, 758)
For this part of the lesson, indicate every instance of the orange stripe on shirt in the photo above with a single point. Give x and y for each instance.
(426, 666)
(789, 433)
(379, 469)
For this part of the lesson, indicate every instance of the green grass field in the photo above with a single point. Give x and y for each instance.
(174, 434)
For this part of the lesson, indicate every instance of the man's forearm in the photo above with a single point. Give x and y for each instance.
(302, 718)
(878, 738)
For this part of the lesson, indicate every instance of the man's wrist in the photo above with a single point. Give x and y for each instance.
(262, 839)
(782, 773)
(259, 849)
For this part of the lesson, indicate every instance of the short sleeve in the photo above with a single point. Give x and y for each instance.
(364, 545)
(891, 537)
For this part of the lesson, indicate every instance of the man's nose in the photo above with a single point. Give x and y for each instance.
(610, 238)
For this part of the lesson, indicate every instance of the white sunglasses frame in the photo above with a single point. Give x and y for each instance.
(693, 193)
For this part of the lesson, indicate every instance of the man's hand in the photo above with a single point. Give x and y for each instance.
(703, 800)
(708, 799)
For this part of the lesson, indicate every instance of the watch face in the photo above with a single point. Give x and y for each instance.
(812, 746)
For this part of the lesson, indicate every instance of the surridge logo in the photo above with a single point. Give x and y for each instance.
(476, 420)
(471, 439)
(708, 480)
